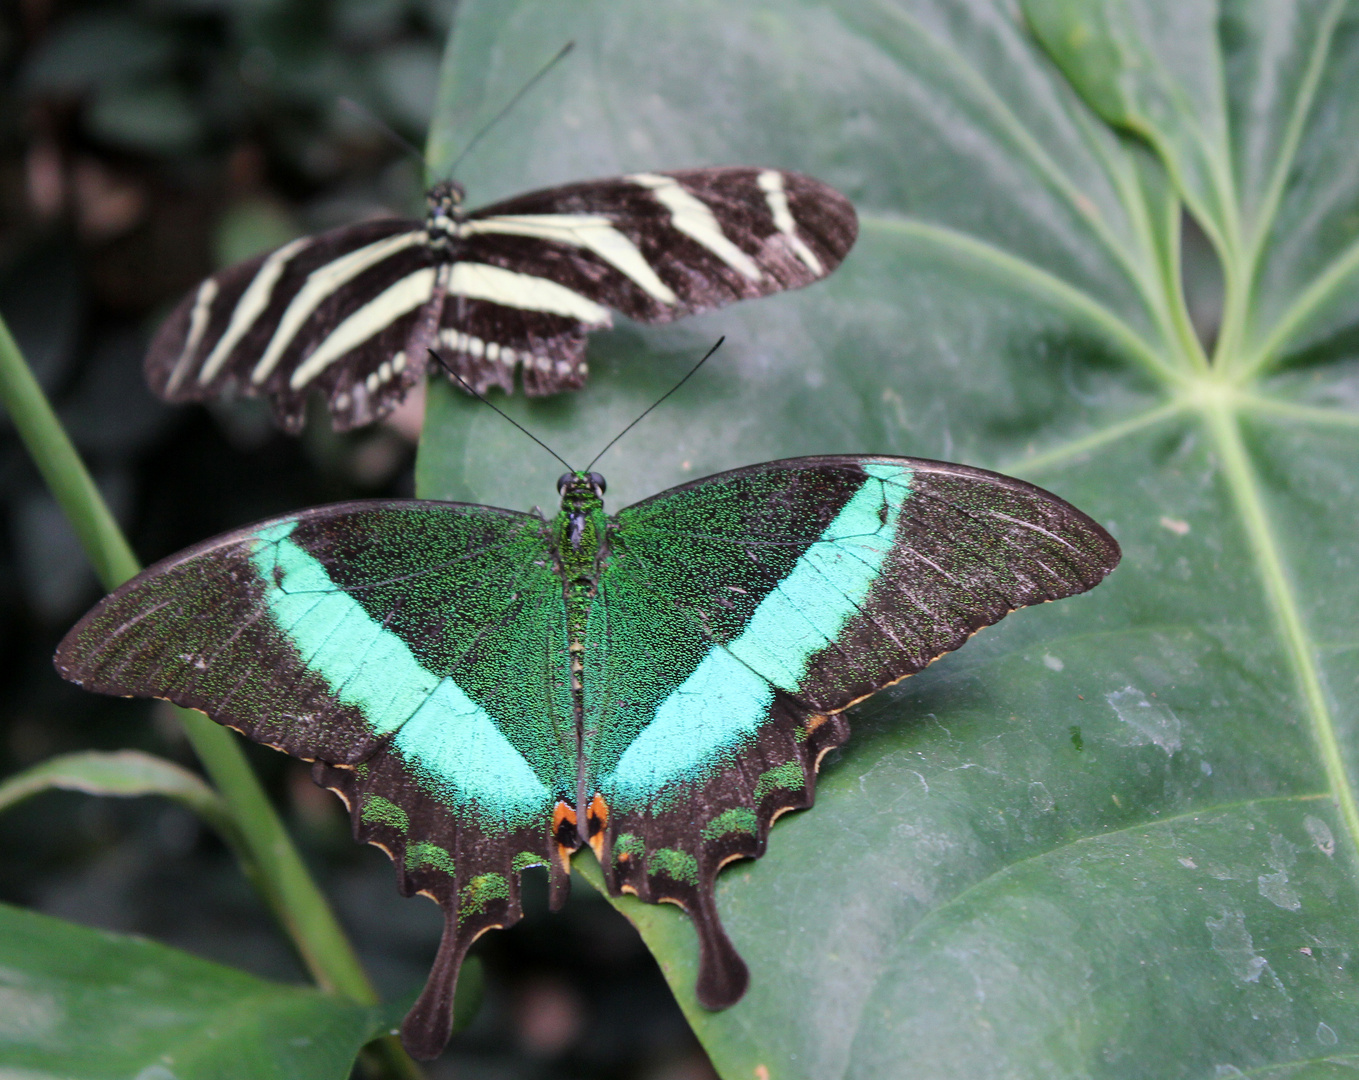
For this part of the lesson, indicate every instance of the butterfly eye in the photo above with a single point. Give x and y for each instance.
(597, 482)
(562, 481)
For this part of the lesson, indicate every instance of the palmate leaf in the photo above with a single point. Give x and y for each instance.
(1114, 836)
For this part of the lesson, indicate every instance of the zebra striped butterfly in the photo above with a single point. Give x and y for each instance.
(516, 285)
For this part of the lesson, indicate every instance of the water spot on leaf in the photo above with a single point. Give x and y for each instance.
(1189, 864)
(1275, 889)
(1233, 943)
(1282, 854)
(1052, 662)
(1041, 797)
(1148, 723)
(1320, 833)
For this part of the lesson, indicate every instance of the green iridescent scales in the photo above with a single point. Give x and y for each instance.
(488, 691)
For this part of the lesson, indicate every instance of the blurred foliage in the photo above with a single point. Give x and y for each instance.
(141, 146)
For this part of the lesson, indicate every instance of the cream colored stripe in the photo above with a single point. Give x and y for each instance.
(771, 183)
(376, 315)
(695, 219)
(591, 231)
(198, 322)
(320, 286)
(482, 282)
(249, 307)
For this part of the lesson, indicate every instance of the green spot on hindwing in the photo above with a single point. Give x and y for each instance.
(785, 777)
(739, 819)
(525, 859)
(480, 891)
(380, 811)
(628, 846)
(423, 853)
(675, 864)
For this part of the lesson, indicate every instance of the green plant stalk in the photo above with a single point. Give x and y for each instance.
(272, 860)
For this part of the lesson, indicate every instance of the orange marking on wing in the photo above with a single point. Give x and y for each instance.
(597, 820)
(564, 825)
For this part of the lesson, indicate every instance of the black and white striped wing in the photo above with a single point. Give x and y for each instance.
(331, 312)
(519, 284)
(655, 246)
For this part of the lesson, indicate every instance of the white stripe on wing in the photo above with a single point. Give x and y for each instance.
(693, 217)
(375, 316)
(771, 183)
(198, 322)
(321, 285)
(482, 282)
(250, 307)
(591, 231)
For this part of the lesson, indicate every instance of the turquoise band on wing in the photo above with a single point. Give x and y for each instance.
(720, 707)
(451, 744)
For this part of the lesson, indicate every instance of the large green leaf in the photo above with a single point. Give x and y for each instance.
(1115, 836)
(83, 1004)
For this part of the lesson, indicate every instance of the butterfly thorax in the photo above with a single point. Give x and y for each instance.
(444, 214)
(579, 533)
(580, 526)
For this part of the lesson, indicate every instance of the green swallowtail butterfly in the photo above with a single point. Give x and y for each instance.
(489, 690)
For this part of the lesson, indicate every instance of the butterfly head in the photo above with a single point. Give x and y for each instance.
(444, 201)
(580, 525)
(578, 485)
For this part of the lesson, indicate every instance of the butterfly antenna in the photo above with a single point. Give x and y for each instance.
(512, 103)
(392, 135)
(467, 386)
(692, 371)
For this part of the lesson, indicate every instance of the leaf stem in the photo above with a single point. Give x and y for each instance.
(273, 861)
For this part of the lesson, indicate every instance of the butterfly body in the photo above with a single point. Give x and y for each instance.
(510, 288)
(489, 690)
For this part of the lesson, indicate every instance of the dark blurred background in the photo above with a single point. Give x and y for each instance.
(142, 145)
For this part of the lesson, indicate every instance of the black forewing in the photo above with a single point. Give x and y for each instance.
(667, 275)
(184, 362)
(823, 219)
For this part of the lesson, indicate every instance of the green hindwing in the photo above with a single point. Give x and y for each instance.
(486, 690)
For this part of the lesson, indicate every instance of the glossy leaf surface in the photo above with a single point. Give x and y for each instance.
(82, 1003)
(1115, 836)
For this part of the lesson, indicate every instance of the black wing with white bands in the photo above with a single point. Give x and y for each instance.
(516, 285)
